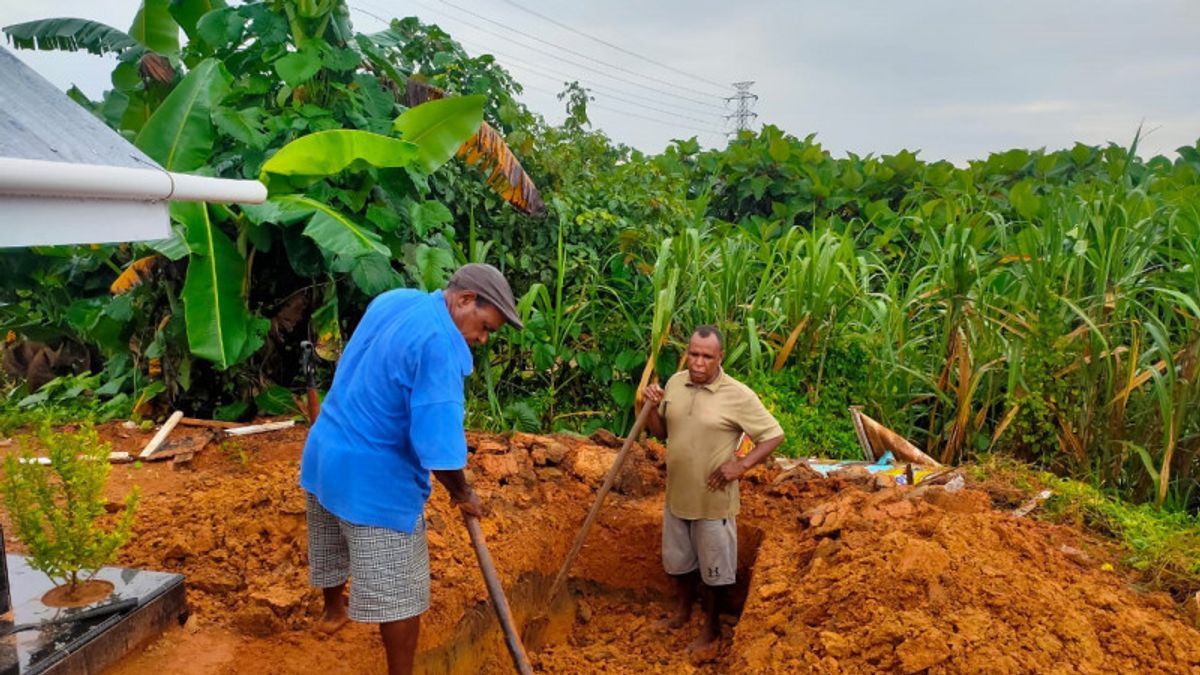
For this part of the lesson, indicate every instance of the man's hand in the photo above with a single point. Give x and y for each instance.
(469, 503)
(725, 474)
(653, 393)
(461, 494)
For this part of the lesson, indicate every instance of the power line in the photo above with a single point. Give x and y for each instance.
(642, 105)
(613, 46)
(593, 104)
(576, 53)
(549, 73)
(535, 71)
(557, 57)
(569, 61)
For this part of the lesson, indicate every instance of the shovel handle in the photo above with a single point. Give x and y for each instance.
(496, 590)
(609, 480)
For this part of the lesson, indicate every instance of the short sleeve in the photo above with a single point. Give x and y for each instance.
(670, 391)
(436, 408)
(754, 419)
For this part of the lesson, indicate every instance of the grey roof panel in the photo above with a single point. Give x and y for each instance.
(37, 121)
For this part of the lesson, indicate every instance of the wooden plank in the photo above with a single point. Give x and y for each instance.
(183, 446)
(211, 424)
(260, 428)
(884, 438)
(162, 434)
(863, 441)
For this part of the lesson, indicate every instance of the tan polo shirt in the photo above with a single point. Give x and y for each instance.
(704, 423)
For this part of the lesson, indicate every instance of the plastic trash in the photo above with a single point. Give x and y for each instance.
(955, 484)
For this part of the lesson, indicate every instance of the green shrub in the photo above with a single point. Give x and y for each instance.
(56, 509)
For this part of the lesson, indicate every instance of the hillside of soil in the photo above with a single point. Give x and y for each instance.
(837, 575)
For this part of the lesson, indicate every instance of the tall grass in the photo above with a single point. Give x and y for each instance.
(1066, 331)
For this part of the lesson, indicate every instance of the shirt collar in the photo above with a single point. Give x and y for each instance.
(461, 349)
(710, 386)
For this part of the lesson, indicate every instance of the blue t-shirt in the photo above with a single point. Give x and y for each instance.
(394, 413)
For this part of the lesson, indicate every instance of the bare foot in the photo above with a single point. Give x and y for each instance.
(678, 619)
(706, 642)
(334, 617)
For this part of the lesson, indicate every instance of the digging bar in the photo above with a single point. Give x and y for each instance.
(595, 510)
(492, 579)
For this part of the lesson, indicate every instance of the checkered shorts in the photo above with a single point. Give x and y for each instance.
(389, 569)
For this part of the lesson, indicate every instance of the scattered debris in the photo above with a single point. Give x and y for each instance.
(189, 445)
(878, 440)
(113, 457)
(211, 424)
(260, 428)
(162, 434)
(1033, 502)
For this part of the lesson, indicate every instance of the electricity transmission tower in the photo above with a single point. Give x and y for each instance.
(742, 116)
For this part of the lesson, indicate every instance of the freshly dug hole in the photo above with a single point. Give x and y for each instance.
(590, 620)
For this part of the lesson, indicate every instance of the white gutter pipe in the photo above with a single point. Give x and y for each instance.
(38, 178)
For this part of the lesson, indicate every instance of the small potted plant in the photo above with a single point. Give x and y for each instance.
(57, 509)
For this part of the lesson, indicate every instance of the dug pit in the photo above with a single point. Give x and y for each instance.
(836, 576)
(591, 619)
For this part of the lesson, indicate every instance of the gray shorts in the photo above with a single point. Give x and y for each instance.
(389, 569)
(706, 545)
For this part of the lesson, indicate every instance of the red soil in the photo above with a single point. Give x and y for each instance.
(846, 579)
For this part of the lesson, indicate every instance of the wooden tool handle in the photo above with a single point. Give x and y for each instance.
(611, 478)
(496, 590)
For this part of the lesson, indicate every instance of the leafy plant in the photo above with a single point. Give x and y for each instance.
(57, 510)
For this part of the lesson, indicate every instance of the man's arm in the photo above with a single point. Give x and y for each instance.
(738, 466)
(655, 423)
(461, 494)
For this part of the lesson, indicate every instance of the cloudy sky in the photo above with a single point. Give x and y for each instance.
(954, 78)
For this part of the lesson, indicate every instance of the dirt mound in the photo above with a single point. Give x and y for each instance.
(910, 579)
(836, 575)
(236, 527)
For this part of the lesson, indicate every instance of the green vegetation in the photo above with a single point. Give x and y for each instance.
(1042, 304)
(1164, 545)
(56, 509)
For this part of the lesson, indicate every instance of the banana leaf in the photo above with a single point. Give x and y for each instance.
(187, 14)
(332, 231)
(487, 149)
(214, 307)
(325, 153)
(439, 127)
(179, 134)
(69, 34)
(155, 28)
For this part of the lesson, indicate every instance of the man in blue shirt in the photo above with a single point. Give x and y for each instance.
(393, 415)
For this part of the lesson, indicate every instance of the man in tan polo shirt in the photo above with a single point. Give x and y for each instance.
(702, 413)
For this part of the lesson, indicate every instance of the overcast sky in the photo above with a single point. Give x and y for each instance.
(956, 79)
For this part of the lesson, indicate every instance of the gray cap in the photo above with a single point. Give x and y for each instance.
(489, 284)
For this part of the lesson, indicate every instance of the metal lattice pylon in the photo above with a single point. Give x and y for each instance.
(742, 115)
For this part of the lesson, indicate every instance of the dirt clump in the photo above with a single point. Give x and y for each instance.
(913, 579)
